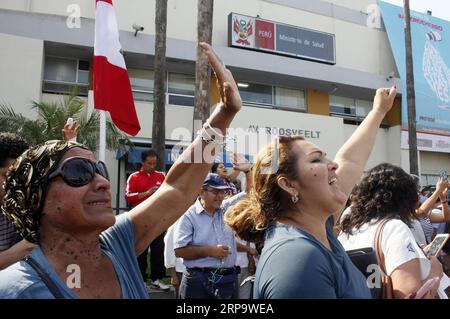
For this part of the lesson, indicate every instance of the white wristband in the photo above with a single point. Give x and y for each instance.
(210, 138)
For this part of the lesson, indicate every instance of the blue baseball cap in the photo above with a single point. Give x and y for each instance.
(215, 181)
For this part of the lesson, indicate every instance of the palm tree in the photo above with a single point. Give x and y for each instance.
(202, 68)
(52, 117)
(159, 105)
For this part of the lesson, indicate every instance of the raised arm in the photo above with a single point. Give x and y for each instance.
(444, 215)
(241, 164)
(185, 178)
(427, 205)
(353, 155)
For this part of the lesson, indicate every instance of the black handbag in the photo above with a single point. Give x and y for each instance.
(362, 258)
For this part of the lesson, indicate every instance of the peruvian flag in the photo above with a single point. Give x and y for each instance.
(112, 89)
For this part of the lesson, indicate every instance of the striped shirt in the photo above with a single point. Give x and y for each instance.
(427, 228)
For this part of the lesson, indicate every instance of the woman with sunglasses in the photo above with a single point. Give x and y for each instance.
(297, 195)
(59, 198)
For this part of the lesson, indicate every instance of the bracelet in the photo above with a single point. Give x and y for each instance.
(210, 138)
(443, 202)
(217, 133)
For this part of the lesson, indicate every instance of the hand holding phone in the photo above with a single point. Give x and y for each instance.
(437, 244)
(444, 175)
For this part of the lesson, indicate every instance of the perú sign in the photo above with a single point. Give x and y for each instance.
(263, 35)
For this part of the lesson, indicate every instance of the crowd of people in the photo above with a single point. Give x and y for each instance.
(207, 232)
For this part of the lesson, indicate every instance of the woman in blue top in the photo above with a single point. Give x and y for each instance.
(59, 198)
(297, 194)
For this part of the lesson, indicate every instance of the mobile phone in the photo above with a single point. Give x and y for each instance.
(437, 244)
(444, 175)
(430, 283)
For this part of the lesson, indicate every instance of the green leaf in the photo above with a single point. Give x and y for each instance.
(52, 117)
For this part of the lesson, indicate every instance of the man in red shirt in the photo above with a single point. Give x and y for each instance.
(140, 186)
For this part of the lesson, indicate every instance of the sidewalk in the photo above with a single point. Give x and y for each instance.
(161, 294)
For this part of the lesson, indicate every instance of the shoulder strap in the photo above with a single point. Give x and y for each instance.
(377, 245)
(45, 278)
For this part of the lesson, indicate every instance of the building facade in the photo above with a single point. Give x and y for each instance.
(312, 69)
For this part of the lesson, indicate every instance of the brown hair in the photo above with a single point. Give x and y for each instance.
(267, 201)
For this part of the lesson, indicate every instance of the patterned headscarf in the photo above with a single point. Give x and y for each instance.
(26, 186)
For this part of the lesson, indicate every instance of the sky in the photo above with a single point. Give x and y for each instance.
(440, 8)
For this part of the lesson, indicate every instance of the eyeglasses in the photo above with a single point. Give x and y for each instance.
(78, 171)
(223, 192)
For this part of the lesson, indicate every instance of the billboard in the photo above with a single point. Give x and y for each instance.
(264, 35)
(431, 60)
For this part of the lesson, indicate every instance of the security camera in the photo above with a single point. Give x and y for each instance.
(390, 76)
(137, 28)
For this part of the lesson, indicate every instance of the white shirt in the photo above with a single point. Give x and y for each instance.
(170, 260)
(397, 242)
(241, 258)
(417, 231)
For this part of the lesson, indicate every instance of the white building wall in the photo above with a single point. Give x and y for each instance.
(22, 5)
(21, 62)
(360, 5)
(434, 163)
(176, 117)
(393, 145)
(380, 152)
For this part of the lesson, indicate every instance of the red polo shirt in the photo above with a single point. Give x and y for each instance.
(140, 182)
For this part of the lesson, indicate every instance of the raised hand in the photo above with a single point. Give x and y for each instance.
(228, 90)
(441, 185)
(240, 163)
(70, 130)
(384, 99)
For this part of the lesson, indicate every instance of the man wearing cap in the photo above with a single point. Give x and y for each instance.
(207, 244)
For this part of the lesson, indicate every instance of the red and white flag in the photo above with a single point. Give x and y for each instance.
(112, 89)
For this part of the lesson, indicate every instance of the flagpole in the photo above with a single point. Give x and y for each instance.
(102, 142)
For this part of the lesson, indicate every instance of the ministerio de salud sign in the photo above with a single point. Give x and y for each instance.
(273, 37)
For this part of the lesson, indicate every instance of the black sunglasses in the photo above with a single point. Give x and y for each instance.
(79, 171)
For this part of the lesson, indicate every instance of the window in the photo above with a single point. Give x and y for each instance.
(256, 93)
(290, 98)
(342, 105)
(181, 89)
(363, 107)
(352, 110)
(61, 75)
(274, 96)
(141, 84)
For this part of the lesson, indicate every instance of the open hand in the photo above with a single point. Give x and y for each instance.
(240, 163)
(228, 90)
(70, 131)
